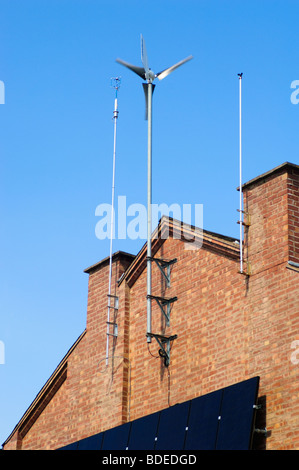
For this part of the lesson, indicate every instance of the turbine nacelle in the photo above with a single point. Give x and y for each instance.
(149, 76)
(145, 72)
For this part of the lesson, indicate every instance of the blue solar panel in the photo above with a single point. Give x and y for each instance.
(116, 438)
(143, 432)
(203, 422)
(237, 415)
(220, 420)
(172, 427)
(73, 446)
(91, 443)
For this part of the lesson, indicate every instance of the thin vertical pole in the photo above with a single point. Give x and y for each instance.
(149, 211)
(240, 171)
(115, 116)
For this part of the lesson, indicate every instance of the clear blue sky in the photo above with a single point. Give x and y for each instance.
(56, 143)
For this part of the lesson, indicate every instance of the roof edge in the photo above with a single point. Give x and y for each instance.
(44, 389)
(207, 239)
(115, 256)
(284, 166)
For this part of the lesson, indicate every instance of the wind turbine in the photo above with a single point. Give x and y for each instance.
(147, 74)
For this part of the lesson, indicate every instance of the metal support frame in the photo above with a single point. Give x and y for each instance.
(164, 266)
(243, 223)
(162, 302)
(162, 341)
(113, 307)
(115, 329)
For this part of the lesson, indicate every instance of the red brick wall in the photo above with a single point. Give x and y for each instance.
(271, 305)
(293, 215)
(200, 356)
(229, 327)
(92, 397)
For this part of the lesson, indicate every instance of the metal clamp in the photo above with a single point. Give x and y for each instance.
(162, 302)
(162, 341)
(248, 219)
(164, 266)
(115, 308)
(261, 431)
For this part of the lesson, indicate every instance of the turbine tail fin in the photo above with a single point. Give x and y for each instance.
(145, 89)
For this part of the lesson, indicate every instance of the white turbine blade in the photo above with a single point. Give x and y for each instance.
(139, 70)
(144, 58)
(166, 72)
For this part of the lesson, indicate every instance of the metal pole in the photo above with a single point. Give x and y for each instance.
(115, 116)
(149, 211)
(240, 175)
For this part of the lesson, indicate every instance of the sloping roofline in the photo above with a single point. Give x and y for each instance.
(222, 244)
(49, 389)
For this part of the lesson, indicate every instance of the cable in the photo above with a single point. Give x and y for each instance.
(156, 357)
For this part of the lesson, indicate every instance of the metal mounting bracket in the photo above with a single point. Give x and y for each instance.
(162, 341)
(115, 329)
(164, 266)
(261, 431)
(248, 219)
(248, 271)
(162, 302)
(115, 308)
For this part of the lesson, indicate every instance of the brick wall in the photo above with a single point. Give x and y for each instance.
(293, 214)
(199, 318)
(273, 316)
(229, 327)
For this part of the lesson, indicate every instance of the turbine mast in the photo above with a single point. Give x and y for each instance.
(149, 76)
(149, 209)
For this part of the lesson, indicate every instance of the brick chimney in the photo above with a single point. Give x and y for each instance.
(271, 203)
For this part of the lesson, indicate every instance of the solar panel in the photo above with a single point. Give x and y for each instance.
(237, 415)
(116, 438)
(172, 427)
(73, 446)
(143, 432)
(203, 422)
(221, 420)
(91, 443)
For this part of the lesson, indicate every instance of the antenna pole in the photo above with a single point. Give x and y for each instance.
(240, 171)
(149, 210)
(116, 84)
